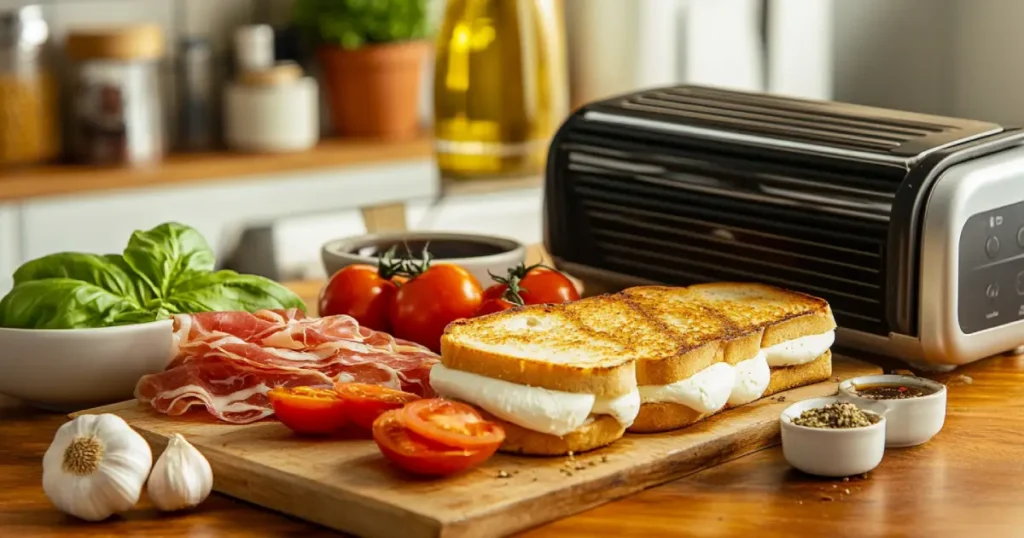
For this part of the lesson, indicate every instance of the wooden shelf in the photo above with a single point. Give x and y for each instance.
(192, 168)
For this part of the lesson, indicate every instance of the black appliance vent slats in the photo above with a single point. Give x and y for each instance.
(853, 131)
(636, 149)
(672, 213)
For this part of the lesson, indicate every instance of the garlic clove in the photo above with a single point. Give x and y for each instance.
(181, 477)
(95, 467)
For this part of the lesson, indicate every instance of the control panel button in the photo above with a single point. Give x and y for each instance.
(992, 246)
(992, 291)
(1020, 237)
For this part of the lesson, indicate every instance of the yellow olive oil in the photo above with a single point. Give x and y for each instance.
(500, 86)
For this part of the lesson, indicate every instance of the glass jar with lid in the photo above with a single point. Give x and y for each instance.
(117, 109)
(29, 107)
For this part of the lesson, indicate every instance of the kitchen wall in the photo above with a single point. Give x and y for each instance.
(954, 57)
(896, 53)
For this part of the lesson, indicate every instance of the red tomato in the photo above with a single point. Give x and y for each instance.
(452, 424)
(428, 302)
(539, 285)
(491, 306)
(359, 291)
(364, 402)
(420, 455)
(308, 410)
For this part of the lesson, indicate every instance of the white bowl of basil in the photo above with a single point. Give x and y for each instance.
(79, 330)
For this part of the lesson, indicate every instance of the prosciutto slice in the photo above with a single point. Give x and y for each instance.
(226, 362)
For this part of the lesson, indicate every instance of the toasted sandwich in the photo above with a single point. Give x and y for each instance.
(555, 387)
(573, 377)
(714, 362)
(799, 329)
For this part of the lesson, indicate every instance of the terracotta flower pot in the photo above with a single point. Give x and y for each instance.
(374, 91)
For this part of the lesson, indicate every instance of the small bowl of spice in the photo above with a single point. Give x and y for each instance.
(916, 406)
(833, 437)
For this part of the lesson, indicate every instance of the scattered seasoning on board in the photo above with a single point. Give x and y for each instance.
(780, 399)
(503, 474)
(571, 464)
(604, 459)
(960, 380)
(835, 415)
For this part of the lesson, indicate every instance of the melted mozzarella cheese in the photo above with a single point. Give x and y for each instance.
(706, 391)
(624, 408)
(800, 350)
(752, 378)
(542, 410)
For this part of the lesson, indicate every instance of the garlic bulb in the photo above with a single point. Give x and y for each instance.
(181, 477)
(96, 467)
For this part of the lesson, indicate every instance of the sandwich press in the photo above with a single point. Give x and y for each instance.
(910, 225)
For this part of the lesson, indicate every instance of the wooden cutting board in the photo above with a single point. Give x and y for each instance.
(347, 485)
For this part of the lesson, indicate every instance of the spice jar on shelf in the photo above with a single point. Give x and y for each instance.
(273, 110)
(29, 109)
(117, 111)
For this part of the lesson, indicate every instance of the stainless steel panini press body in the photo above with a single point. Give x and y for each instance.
(911, 226)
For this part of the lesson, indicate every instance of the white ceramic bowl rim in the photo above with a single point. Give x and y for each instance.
(788, 415)
(846, 387)
(510, 245)
(93, 330)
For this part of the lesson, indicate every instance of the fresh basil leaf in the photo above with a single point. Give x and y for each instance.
(168, 254)
(227, 290)
(109, 272)
(140, 316)
(62, 303)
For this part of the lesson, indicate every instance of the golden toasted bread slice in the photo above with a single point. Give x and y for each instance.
(540, 346)
(782, 314)
(665, 416)
(789, 377)
(601, 431)
(703, 336)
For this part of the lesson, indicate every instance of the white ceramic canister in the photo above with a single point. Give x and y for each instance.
(272, 111)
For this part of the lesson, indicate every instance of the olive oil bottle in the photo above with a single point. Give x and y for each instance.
(500, 86)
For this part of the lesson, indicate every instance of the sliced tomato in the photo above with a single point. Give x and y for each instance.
(365, 402)
(308, 410)
(452, 423)
(420, 455)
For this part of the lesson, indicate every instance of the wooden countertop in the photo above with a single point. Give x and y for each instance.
(192, 168)
(966, 480)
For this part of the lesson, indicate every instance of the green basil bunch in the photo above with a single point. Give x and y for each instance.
(164, 271)
(350, 24)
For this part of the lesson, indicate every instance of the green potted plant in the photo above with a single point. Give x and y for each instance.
(372, 54)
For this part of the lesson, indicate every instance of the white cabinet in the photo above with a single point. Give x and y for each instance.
(104, 221)
(10, 245)
(514, 214)
(295, 213)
